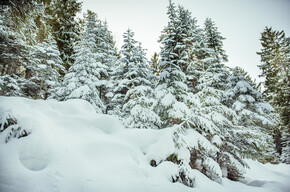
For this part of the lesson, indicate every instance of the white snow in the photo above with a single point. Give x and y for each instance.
(73, 149)
(216, 140)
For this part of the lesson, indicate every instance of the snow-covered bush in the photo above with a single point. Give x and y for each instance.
(10, 127)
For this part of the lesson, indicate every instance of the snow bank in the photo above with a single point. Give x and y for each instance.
(70, 148)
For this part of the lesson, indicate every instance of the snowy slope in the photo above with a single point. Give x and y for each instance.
(73, 149)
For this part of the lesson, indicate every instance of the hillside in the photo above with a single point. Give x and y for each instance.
(67, 147)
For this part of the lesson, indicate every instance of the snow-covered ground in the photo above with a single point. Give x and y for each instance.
(73, 149)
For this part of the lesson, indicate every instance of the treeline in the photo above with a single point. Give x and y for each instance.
(47, 53)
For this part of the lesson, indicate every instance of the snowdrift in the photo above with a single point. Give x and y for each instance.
(55, 146)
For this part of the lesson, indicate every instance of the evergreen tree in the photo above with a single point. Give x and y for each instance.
(12, 55)
(214, 40)
(173, 102)
(49, 66)
(62, 19)
(275, 68)
(139, 99)
(106, 54)
(171, 89)
(122, 75)
(42, 72)
(256, 118)
(83, 77)
(133, 93)
(28, 37)
(212, 88)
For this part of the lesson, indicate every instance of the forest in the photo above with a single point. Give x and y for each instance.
(218, 116)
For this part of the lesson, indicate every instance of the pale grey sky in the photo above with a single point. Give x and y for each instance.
(239, 21)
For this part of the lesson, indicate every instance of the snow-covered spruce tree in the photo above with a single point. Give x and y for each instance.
(12, 56)
(139, 99)
(285, 155)
(29, 36)
(62, 19)
(248, 78)
(200, 56)
(106, 54)
(133, 93)
(207, 81)
(211, 90)
(171, 90)
(44, 67)
(256, 118)
(173, 103)
(122, 76)
(49, 67)
(83, 77)
(275, 61)
(214, 39)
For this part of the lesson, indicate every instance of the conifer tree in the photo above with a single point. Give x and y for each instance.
(173, 102)
(248, 78)
(139, 99)
(171, 88)
(45, 65)
(214, 40)
(106, 54)
(212, 87)
(83, 77)
(62, 19)
(275, 68)
(12, 55)
(30, 36)
(49, 67)
(133, 94)
(197, 55)
(122, 74)
(255, 118)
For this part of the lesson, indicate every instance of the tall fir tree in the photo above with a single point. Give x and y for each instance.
(214, 40)
(62, 19)
(35, 47)
(256, 119)
(133, 94)
(171, 88)
(122, 74)
(84, 75)
(13, 53)
(203, 116)
(139, 99)
(106, 55)
(275, 68)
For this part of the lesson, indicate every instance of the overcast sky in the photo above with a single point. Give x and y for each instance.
(239, 21)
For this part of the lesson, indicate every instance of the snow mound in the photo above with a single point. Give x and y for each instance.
(34, 155)
(70, 148)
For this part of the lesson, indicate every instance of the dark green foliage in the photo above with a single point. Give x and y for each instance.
(173, 158)
(62, 19)
(214, 40)
(275, 68)
(154, 64)
(275, 59)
